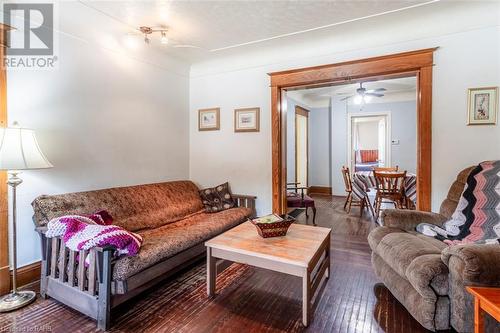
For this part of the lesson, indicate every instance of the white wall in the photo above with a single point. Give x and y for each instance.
(368, 134)
(241, 80)
(103, 119)
(243, 159)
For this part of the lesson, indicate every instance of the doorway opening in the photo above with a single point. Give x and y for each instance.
(301, 146)
(416, 63)
(368, 141)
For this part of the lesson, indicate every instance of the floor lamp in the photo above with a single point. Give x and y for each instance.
(19, 150)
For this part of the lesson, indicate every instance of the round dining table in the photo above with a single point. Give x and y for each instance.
(363, 181)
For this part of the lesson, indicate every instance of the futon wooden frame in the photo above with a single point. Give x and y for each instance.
(90, 289)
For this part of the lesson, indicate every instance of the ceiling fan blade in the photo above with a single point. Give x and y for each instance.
(376, 90)
(374, 94)
(343, 99)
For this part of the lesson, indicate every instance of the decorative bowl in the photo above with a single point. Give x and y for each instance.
(274, 229)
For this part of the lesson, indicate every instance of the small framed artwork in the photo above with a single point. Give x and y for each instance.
(247, 120)
(209, 119)
(482, 106)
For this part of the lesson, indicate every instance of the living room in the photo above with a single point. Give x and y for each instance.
(149, 92)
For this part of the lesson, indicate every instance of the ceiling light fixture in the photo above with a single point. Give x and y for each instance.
(148, 32)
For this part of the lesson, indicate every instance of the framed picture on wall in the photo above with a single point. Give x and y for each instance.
(209, 119)
(482, 106)
(247, 120)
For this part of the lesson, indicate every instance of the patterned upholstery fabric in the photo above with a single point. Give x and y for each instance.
(133, 207)
(166, 241)
(296, 200)
(216, 199)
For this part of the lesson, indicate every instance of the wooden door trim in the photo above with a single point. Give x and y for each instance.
(417, 63)
(305, 113)
(4, 238)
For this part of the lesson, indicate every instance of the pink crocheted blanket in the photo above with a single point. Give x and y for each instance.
(83, 232)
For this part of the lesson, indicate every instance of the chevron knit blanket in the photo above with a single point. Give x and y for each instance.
(83, 232)
(477, 216)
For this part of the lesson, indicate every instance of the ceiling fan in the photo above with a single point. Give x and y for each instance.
(364, 96)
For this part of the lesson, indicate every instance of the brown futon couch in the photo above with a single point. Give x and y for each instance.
(169, 216)
(427, 276)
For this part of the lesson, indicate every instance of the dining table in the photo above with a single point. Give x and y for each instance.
(363, 181)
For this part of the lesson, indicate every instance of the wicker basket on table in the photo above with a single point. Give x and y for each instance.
(274, 229)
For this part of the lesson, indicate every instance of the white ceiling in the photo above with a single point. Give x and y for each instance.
(398, 90)
(215, 25)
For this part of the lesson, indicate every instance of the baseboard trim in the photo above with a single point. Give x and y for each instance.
(4, 280)
(27, 274)
(323, 190)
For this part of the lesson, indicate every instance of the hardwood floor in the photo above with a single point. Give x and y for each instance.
(250, 299)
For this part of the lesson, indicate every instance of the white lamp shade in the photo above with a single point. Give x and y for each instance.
(19, 150)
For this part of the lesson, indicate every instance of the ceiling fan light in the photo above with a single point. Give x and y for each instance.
(367, 98)
(357, 99)
(164, 38)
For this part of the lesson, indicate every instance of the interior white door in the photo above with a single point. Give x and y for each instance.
(301, 149)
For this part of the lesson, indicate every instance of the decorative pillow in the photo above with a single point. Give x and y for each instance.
(101, 217)
(217, 198)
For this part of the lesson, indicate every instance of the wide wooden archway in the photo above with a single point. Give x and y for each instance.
(418, 63)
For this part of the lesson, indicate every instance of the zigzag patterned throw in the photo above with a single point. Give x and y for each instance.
(477, 216)
(83, 232)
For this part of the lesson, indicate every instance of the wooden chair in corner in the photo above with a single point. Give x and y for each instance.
(351, 200)
(390, 189)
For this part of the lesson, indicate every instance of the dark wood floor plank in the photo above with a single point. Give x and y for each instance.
(250, 299)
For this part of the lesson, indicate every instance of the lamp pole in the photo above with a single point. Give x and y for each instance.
(16, 299)
(19, 150)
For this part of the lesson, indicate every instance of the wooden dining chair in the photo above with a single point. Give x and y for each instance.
(389, 169)
(351, 200)
(390, 189)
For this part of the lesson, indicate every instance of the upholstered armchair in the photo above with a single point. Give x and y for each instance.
(426, 275)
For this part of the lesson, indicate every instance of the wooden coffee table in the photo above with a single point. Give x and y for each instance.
(303, 252)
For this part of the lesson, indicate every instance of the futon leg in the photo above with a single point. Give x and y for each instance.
(45, 269)
(104, 298)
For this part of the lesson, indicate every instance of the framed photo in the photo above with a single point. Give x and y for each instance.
(482, 106)
(209, 119)
(247, 120)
